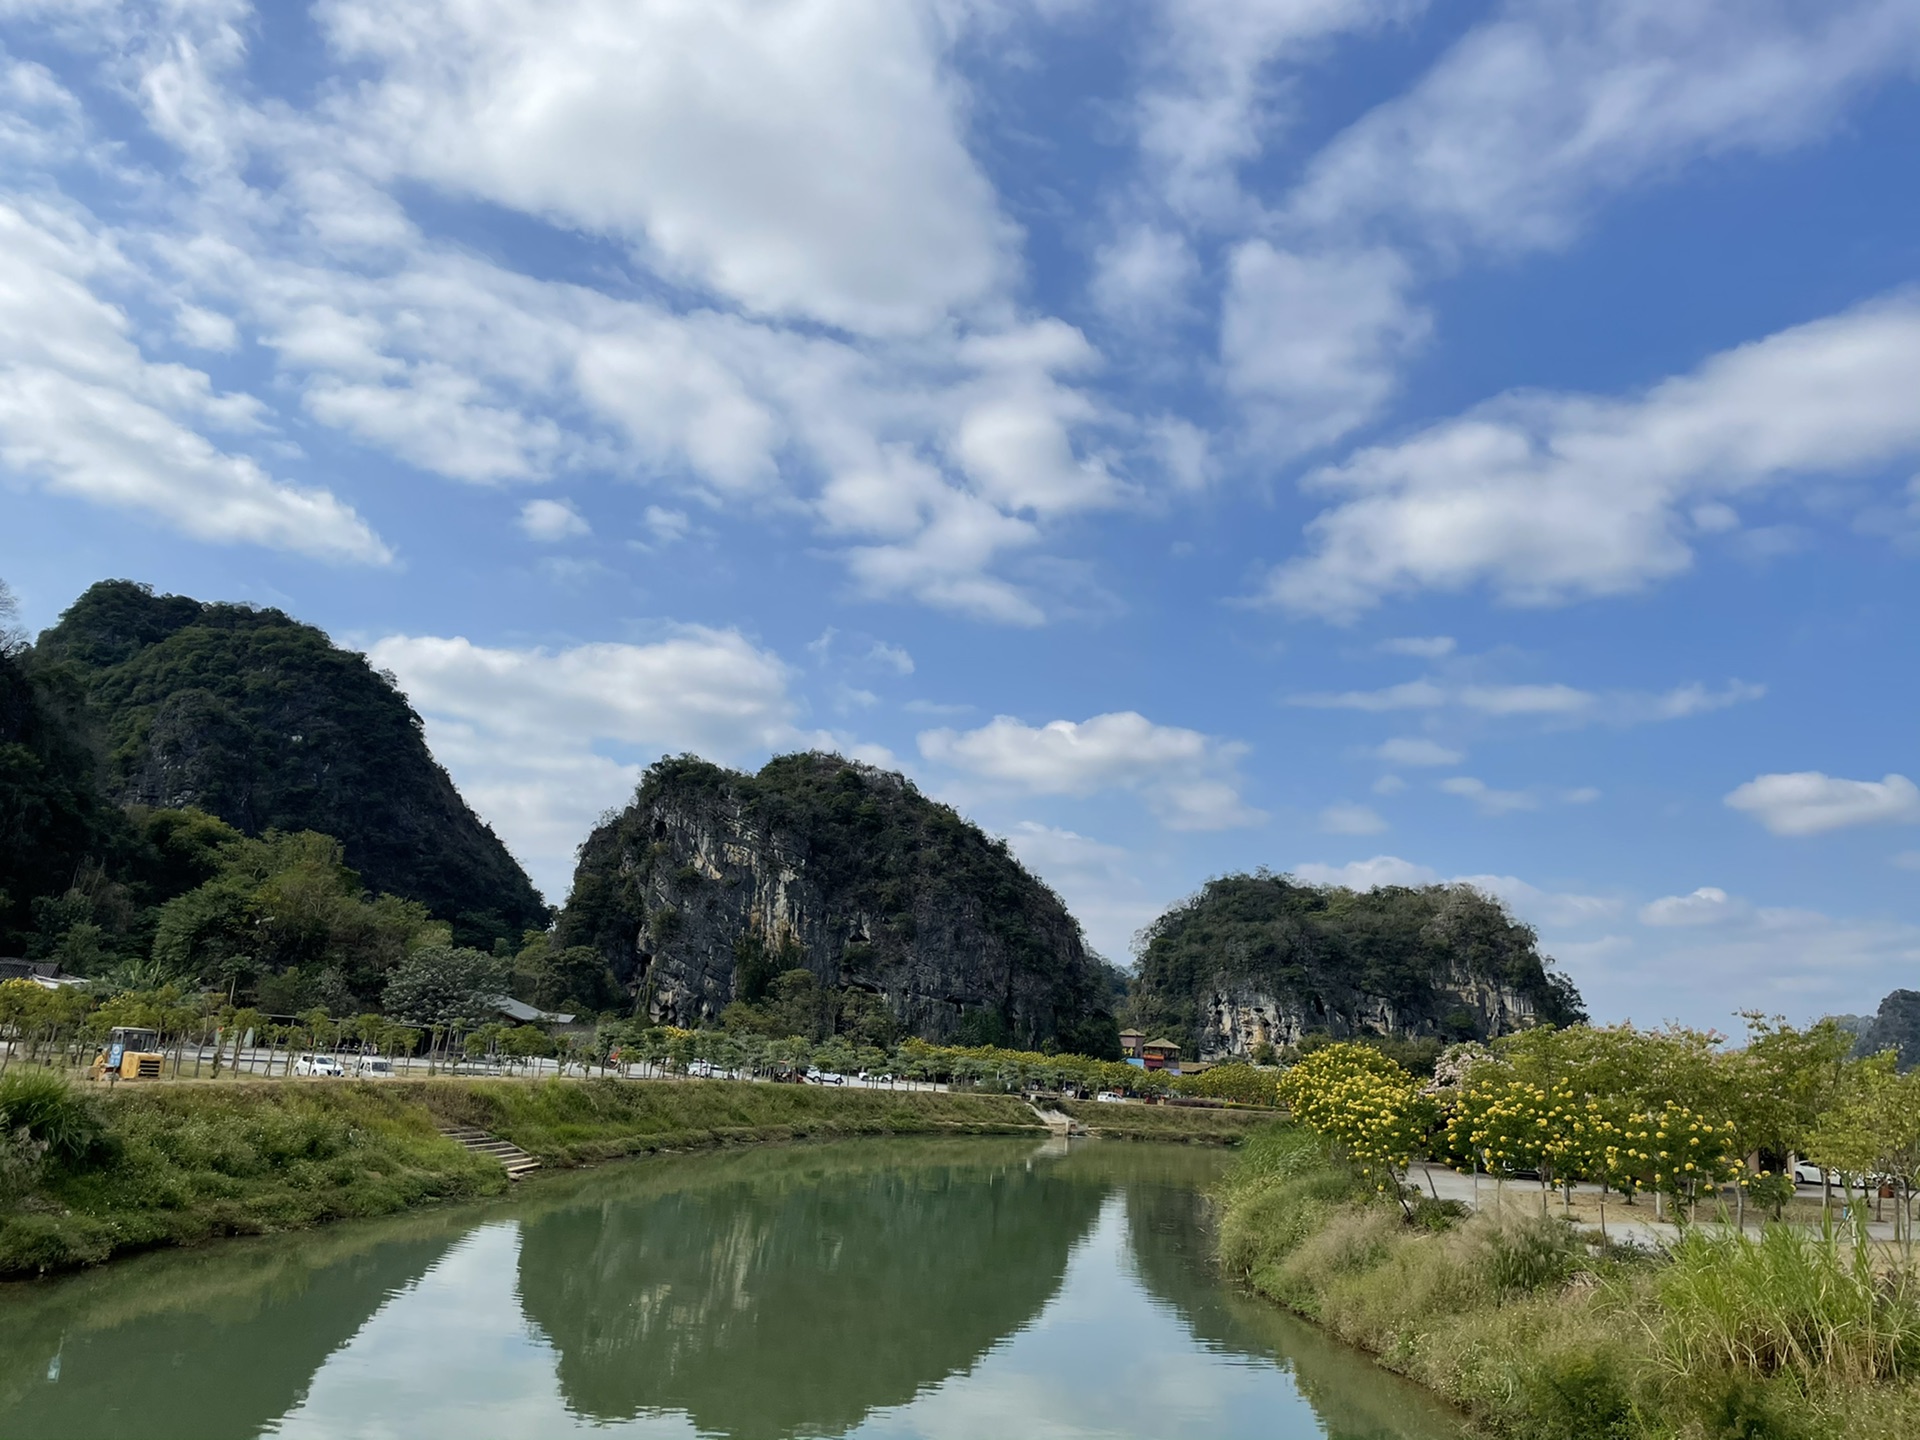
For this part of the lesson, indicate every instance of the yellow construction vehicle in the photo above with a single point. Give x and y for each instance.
(132, 1053)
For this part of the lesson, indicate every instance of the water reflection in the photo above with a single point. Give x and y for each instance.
(874, 1289)
(798, 1299)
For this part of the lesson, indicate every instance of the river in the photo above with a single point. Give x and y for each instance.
(1001, 1289)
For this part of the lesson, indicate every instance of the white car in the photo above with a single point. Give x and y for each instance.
(318, 1065)
(825, 1077)
(373, 1067)
(1807, 1174)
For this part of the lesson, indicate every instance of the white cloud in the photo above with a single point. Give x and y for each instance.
(667, 525)
(1795, 962)
(1408, 750)
(805, 159)
(1907, 860)
(1389, 785)
(1556, 908)
(1313, 343)
(1212, 99)
(1142, 275)
(1368, 874)
(1352, 820)
(551, 520)
(1538, 113)
(1808, 802)
(1560, 705)
(1187, 778)
(542, 741)
(1548, 498)
(1487, 800)
(1423, 647)
(891, 657)
(1529, 902)
(1099, 882)
(1708, 905)
(84, 413)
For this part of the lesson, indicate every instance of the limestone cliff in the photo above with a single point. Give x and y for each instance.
(1256, 959)
(711, 882)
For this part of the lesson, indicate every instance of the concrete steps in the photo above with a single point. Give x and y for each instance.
(512, 1158)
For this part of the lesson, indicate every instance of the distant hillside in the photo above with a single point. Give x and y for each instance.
(712, 883)
(1261, 958)
(261, 720)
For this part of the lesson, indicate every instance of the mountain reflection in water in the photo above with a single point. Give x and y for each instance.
(871, 1289)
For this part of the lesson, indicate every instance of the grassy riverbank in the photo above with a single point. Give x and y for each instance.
(178, 1164)
(1523, 1325)
(1191, 1124)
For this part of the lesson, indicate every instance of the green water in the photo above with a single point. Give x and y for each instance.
(948, 1289)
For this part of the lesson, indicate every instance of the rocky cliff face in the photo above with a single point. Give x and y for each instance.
(254, 717)
(1260, 959)
(711, 882)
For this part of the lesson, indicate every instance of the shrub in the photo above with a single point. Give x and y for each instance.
(1526, 1253)
(64, 1124)
(1580, 1395)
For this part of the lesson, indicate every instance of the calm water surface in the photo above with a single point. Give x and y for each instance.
(953, 1289)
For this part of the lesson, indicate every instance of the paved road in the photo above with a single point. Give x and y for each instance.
(1633, 1223)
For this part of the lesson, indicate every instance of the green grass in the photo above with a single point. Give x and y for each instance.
(1165, 1122)
(578, 1122)
(1539, 1335)
(150, 1166)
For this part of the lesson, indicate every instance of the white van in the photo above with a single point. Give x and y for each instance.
(373, 1067)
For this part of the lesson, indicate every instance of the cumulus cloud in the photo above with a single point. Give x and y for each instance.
(542, 741)
(1409, 750)
(1808, 802)
(1187, 778)
(1547, 498)
(1314, 343)
(84, 412)
(1709, 905)
(805, 160)
(1368, 874)
(552, 520)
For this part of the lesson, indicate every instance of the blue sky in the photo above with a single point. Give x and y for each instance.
(1379, 440)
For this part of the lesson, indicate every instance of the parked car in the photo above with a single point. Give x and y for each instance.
(318, 1065)
(701, 1069)
(1112, 1097)
(1807, 1174)
(373, 1067)
(825, 1077)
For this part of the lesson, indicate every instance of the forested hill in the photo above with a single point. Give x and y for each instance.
(1262, 959)
(256, 718)
(713, 885)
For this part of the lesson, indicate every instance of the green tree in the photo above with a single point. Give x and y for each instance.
(445, 985)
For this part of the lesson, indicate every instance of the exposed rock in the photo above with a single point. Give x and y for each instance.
(711, 882)
(1261, 959)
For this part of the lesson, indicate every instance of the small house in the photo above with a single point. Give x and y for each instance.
(1130, 1044)
(1160, 1055)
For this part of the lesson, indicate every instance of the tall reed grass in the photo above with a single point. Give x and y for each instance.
(1824, 1306)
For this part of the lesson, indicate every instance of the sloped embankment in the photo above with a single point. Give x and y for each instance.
(179, 1164)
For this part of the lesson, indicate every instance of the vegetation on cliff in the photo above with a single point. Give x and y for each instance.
(713, 884)
(1330, 955)
(263, 722)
